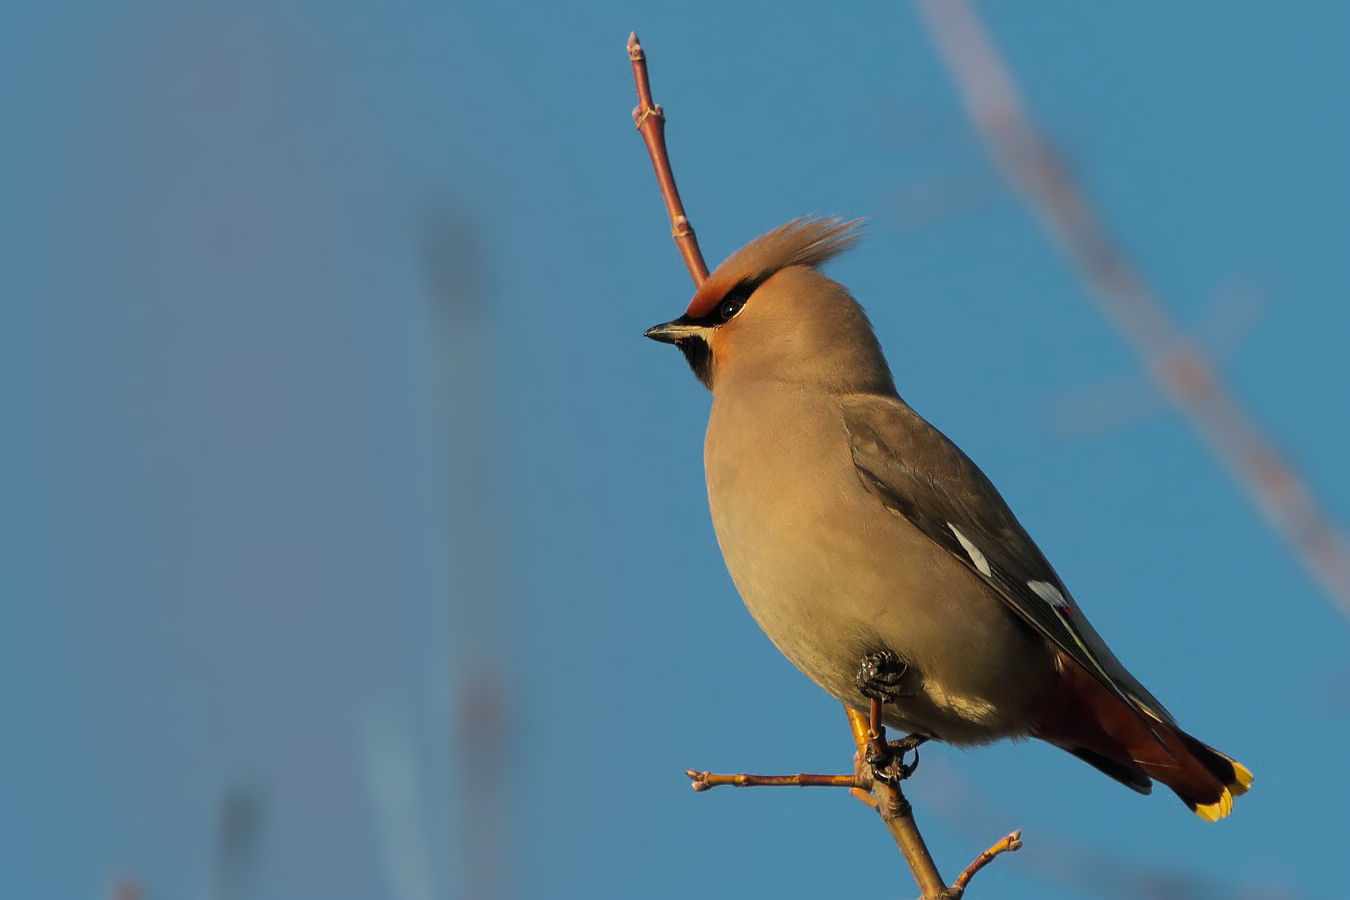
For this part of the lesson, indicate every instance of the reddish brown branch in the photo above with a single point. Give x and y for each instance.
(651, 122)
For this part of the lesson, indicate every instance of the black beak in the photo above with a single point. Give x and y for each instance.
(692, 339)
(672, 332)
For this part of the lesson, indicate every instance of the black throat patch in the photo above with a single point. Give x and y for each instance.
(699, 356)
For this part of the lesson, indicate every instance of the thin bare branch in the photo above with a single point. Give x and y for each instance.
(885, 796)
(1009, 844)
(1172, 359)
(651, 122)
(705, 781)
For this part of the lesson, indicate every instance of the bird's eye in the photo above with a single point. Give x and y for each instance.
(728, 308)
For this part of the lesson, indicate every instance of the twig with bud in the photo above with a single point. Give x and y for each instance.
(651, 122)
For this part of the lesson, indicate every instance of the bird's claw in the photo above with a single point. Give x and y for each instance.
(887, 759)
(880, 675)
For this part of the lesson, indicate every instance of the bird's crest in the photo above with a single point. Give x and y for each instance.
(807, 241)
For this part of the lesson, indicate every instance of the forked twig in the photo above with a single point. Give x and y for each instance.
(868, 733)
(885, 796)
(898, 815)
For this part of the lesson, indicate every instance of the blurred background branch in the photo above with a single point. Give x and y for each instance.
(238, 843)
(1173, 359)
(468, 399)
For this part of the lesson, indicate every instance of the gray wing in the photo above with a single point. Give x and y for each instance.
(914, 470)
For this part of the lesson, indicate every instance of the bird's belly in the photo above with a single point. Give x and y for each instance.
(831, 575)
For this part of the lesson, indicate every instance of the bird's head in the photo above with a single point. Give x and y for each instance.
(768, 312)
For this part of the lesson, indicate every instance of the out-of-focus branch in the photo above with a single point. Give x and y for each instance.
(127, 889)
(1172, 359)
(395, 793)
(476, 580)
(651, 121)
(238, 839)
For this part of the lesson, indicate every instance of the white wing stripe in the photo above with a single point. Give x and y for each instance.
(981, 564)
(1049, 593)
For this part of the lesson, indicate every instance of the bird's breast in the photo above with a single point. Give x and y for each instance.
(784, 499)
(830, 574)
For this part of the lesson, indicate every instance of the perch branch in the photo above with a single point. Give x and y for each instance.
(886, 797)
(704, 781)
(868, 733)
(651, 122)
(895, 810)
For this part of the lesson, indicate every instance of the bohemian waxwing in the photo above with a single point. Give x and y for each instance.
(877, 557)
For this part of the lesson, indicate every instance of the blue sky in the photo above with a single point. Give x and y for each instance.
(233, 536)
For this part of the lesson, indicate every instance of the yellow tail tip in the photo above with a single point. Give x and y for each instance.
(1242, 782)
(1213, 812)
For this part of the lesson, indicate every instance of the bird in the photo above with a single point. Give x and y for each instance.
(878, 557)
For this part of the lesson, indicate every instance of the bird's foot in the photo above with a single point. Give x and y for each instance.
(886, 759)
(880, 675)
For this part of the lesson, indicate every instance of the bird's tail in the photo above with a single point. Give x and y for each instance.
(1097, 726)
(1232, 777)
